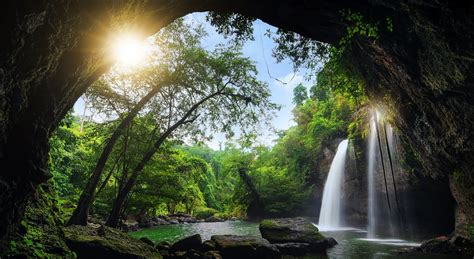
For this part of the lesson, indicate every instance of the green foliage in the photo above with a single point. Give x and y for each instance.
(300, 94)
(40, 234)
(204, 213)
(233, 25)
(193, 178)
(470, 231)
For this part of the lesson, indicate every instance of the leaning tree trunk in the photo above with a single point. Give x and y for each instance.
(81, 213)
(114, 216)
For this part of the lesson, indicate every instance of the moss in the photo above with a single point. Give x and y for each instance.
(470, 231)
(290, 230)
(40, 234)
(88, 241)
(458, 177)
(271, 224)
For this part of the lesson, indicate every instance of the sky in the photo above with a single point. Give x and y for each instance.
(260, 51)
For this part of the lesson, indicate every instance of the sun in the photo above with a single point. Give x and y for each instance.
(128, 50)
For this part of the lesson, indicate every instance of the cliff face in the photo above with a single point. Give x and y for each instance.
(54, 50)
(419, 206)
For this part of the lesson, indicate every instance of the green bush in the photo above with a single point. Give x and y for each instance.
(204, 213)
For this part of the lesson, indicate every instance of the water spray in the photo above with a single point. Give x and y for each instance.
(377, 114)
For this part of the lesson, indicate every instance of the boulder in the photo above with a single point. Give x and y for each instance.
(294, 249)
(187, 243)
(173, 221)
(163, 245)
(212, 255)
(293, 230)
(439, 245)
(444, 245)
(146, 224)
(193, 254)
(214, 219)
(180, 215)
(130, 226)
(95, 220)
(146, 240)
(86, 242)
(232, 246)
(159, 221)
(331, 242)
(208, 245)
(189, 220)
(164, 217)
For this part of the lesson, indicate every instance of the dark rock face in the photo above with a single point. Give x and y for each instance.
(188, 243)
(42, 226)
(231, 246)
(87, 243)
(331, 242)
(147, 241)
(455, 245)
(55, 50)
(295, 249)
(208, 245)
(426, 206)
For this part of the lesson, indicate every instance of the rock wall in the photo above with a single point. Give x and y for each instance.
(425, 206)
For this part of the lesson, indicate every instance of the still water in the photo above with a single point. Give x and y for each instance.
(352, 242)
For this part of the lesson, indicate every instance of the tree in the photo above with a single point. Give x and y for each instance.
(222, 92)
(115, 93)
(300, 94)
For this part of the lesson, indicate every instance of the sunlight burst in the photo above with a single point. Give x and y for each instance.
(129, 50)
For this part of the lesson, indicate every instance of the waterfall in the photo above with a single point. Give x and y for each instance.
(330, 215)
(382, 219)
(371, 217)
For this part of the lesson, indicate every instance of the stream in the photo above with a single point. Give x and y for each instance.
(352, 242)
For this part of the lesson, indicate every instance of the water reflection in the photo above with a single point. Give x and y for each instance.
(352, 242)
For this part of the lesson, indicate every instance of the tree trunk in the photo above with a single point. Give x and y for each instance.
(81, 213)
(118, 203)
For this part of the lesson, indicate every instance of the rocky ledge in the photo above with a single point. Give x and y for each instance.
(295, 235)
(452, 245)
(105, 242)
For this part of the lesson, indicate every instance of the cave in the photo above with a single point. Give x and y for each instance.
(52, 51)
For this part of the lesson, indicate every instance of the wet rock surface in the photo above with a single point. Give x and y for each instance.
(232, 246)
(454, 245)
(294, 230)
(91, 242)
(188, 243)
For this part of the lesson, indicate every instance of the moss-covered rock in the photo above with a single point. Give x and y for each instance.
(40, 233)
(104, 242)
(232, 246)
(284, 230)
(294, 230)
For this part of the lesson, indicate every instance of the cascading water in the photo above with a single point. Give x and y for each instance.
(383, 211)
(371, 177)
(330, 215)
